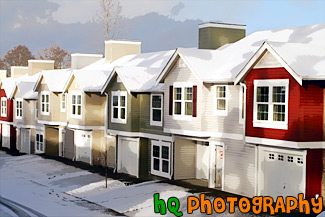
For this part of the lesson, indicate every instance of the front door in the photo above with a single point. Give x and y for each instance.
(83, 146)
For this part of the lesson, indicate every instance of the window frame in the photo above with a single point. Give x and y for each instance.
(160, 173)
(16, 105)
(76, 94)
(216, 111)
(44, 93)
(270, 123)
(119, 107)
(152, 122)
(242, 103)
(4, 107)
(182, 85)
(38, 151)
(63, 102)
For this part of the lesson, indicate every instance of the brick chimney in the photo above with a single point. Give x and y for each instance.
(214, 35)
(117, 49)
(80, 60)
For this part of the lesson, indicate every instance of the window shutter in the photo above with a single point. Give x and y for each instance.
(171, 89)
(194, 101)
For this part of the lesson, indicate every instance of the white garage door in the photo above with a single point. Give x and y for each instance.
(284, 174)
(128, 156)
(83, 146)
(25, 141)
(6, 136)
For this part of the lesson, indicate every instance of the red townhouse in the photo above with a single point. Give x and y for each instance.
(285, 94)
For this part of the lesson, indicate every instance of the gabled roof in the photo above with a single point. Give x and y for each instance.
(94, 77)
(55, 79)
(225, 63)
(302, 61)
(137, 79)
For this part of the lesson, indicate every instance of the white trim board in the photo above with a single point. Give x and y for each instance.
(52, 123)
(285, 144)
(140, 134)
(81, 127)
(222, 25)
(5, 122)
(205, 134)
(24, 126)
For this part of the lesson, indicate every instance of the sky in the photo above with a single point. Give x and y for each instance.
(159, 24)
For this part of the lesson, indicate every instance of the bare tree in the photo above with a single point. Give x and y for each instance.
(59, 55)
(18, 56)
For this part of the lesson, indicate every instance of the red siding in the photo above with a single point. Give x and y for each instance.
(305, 106)
(314, 173)
(9, 117)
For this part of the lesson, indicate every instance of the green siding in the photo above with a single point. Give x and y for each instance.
(214, 37)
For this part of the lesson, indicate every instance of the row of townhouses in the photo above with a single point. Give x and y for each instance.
(244, 114)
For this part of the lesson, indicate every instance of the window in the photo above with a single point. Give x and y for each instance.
(156, 111)
(36, 109)
(45, 103)
(221, 100)
(19, 108)
(183, 100)
(39, 143)
(160, 158)
(242, 103)
(76, 105)
(118, 107)
(3, 107)
(63, 102)
(271, 103)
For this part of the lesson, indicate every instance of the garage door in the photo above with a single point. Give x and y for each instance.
(83, 146)
(25, 141)
(128, 156)
(6, 136)
(284, 174)
(68, 149)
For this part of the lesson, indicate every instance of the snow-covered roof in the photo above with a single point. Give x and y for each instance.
(55, 79)
(138, 79)
(225, 63)
(8, 85)
(93, 78)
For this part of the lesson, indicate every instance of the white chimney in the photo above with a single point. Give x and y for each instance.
(80, 60)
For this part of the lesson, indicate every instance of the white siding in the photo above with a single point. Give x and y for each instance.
(268, 61)
(202, 161)
(182, 74)
(239, 168)
(185, 162)
(224, 124)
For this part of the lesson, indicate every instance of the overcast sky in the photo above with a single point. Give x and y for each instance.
(38, 23)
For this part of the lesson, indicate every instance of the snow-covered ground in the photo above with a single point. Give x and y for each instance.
(55, 189)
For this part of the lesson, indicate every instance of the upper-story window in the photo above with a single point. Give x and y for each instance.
(45, 103)
(3, 107)
(271, 103)
(63, 102)
(19, 108)
(156, 110)
(184, 100)
(221, 101)
(76, 105)
(119, 111)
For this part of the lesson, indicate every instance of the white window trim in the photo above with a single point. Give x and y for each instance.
(152, 122)
(270, 123)
(182, 116)
(118, 120)
(220, 112)
(76, 93)
(65, 102)
(44, 112)
(160, 173)
(16, 108)
(242, 119)
(4, 99)
(37, 151)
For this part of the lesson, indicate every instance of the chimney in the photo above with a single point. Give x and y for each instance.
(3, 73)
(18, 71)
(117, 49)
(214, 35)
(79, 60)
(35, 66)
